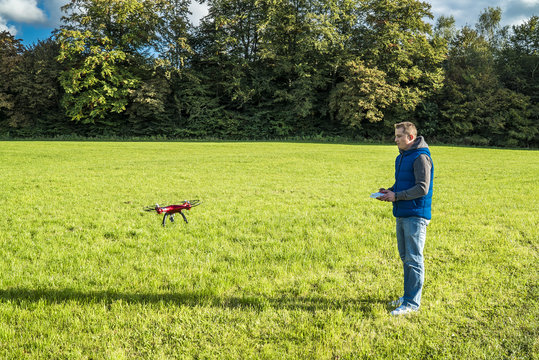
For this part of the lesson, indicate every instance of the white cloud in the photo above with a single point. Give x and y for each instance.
(25, 11)
(4, 27)
(53, 7)
(467, 12)
(198, 11)
(517, 11)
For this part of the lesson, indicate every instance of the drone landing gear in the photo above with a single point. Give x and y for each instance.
(183, 215)
(172, 218)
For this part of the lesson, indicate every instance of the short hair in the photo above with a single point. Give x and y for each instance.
(408, 128)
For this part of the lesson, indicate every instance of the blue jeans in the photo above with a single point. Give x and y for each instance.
(411, 234)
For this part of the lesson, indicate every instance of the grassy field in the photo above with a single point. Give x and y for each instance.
(287, 257)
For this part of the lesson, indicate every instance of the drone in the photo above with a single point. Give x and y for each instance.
(171, 210)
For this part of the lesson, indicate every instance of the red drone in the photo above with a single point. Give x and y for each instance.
(173, 209)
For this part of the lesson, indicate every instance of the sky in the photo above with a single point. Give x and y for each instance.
(34, 20)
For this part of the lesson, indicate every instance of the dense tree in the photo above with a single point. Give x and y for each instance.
(273, 68)
(490, 29)
(98, 78)
(305, 44)
(11, 51)
(363, 94)
(172, 31)
(518, 69)
(394, 64)
(38, 89)
(397, 41)
(127, 24)
(518, 63)
(30, 84)
(103, 42)
(475, 107)
(445, 29)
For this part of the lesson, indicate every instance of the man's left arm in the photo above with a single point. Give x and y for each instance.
(422, 167)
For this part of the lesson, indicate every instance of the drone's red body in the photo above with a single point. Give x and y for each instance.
(170, 210)
(173, 209)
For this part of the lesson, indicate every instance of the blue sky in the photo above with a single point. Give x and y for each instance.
(33, 20)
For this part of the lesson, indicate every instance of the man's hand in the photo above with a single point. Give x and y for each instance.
(388, 195)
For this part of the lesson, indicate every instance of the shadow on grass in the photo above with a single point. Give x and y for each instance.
(193, 299)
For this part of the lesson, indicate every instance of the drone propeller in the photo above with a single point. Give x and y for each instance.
(192, 202)
(150, 208)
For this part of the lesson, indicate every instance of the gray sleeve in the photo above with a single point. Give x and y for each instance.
(422, 167)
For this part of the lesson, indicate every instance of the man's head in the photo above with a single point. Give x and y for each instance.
(405, 135)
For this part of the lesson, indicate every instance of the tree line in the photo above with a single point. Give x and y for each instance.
(273, 69)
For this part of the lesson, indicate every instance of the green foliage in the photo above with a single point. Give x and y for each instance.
(100, 43)
(488, 26)
(397, 42)
(269, 69)
(39, 91)
(363, 94)
(470, 83)
(129, 25)
(518, 66)
(97, 83)
(10, 56)
(30, 91)
(148, 106)
(305, 46)
(475, 106)
(172, 33)
(518, 62)
(445, 28)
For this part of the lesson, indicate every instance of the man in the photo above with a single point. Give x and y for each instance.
(411, 196)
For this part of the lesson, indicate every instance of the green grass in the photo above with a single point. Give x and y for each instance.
(287, 257)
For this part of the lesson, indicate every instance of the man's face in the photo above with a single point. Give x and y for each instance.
(402, 140)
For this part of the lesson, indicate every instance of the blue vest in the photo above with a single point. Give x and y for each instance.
(405, 179)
